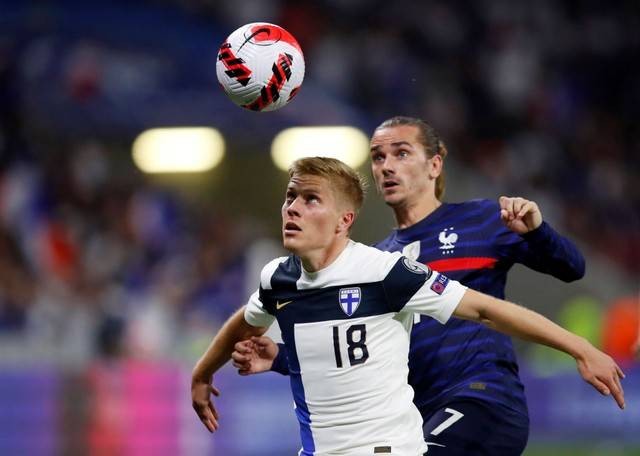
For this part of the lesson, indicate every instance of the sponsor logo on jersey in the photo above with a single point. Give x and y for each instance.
(280, 305)
(349, 300)
(440, 283)
(447, 238)
(415, 267)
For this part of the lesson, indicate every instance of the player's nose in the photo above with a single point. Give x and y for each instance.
(293, 208)
(387, 169)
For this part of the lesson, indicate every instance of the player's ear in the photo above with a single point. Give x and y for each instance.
(435, 166)
(346, 221)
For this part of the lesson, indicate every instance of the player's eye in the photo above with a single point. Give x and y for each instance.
(377, 157)
(403, 154)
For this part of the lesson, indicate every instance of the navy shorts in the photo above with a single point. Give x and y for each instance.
(467, 427)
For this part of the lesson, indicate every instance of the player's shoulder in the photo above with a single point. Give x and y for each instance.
(373, 261)
(473, 209)
(480, 204)
(270, 269)
(373, 253)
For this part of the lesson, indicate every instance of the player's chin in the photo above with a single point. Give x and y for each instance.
(291, 243)
(392, 198)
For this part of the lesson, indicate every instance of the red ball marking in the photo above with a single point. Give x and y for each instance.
(293, 93)
(274, 33)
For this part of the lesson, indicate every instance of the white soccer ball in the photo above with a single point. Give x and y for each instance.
(260, 66)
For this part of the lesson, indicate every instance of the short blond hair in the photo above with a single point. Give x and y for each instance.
(346, 183)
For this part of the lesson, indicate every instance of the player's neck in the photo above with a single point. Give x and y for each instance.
(411, 213)
(316, 260)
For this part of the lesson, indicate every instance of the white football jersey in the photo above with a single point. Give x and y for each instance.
(346, 332)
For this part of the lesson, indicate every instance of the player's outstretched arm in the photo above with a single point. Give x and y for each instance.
(596, 367)
(255, 355)
(218, 353)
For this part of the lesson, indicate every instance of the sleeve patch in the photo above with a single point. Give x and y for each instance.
(440, 283)
(416, 267)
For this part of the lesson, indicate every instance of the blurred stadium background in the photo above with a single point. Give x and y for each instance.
(112, 281)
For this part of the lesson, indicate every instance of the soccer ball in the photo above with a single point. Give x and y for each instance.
(260, 66)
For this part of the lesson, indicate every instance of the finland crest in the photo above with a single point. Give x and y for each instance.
(349, 300)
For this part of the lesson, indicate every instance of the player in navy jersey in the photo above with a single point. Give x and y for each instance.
(465, 375)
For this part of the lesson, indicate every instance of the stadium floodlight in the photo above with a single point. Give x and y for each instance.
(178, 149)
(348, 144)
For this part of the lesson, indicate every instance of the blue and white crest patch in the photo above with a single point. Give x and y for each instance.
(349, 300)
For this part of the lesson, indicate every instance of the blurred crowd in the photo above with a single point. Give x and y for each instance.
(535, 96)
(96, 262)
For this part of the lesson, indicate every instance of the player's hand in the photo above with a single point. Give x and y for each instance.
(255, 355)
(520, 215)
(201, 400)
(602, 372)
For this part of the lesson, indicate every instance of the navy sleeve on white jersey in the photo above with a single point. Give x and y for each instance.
(413, 287)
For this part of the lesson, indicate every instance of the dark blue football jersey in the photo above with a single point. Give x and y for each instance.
(469, 243)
